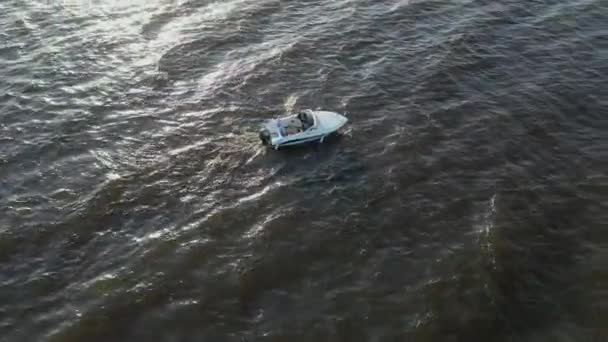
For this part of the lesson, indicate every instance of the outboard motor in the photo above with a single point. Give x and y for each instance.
(265, 136)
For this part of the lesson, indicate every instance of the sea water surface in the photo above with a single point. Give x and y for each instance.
(466, 200)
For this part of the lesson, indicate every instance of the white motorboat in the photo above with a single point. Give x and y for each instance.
(303, 127)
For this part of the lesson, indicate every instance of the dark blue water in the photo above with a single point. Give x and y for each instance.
(465, 202)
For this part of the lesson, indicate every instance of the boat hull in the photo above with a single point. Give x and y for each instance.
(324, 125)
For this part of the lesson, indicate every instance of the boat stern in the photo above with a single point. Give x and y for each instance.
(270, 133)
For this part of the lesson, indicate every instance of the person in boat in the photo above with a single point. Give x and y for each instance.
(305, 120)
